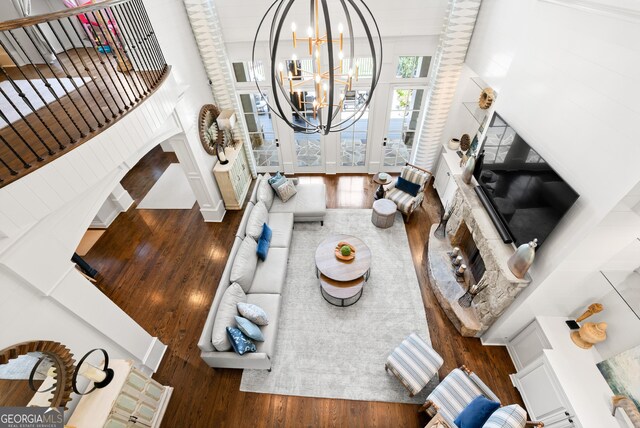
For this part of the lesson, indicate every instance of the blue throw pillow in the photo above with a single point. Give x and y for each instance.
(407, 186)
(241, 344)
(267, 233)
(277, 180)
(476, 413)
(249, 329)
(263, 249)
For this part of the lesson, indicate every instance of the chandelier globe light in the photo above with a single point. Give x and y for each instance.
(314, 73)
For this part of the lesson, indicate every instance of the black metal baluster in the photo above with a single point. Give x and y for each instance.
(13, 128)
(46, 84)
(61, 83)
(101, 60)
(44, 102)
(133, 44)
(153, 35)
(148, 42)
(24, 119)
(115, 71)
(27, 101)
(6, 165)
(64, 68)
(142, 42)
(97, 69)
(122, 54)
(25, 164)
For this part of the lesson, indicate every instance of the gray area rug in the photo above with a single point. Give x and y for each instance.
(332, 352)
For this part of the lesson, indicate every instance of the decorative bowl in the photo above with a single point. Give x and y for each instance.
(383, 176)
(339, 254)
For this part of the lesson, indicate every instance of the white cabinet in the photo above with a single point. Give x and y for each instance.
(132, 399)
(528, 345)
(234, 178)
(445, 185)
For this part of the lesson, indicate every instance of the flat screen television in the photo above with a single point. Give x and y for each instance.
(527, 197)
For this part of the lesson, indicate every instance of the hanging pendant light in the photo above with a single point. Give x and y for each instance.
(315, 74)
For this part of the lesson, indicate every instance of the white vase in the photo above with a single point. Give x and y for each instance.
(454, 144)
(467, 172)
(520, 262)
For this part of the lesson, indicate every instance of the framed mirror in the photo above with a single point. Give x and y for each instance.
(36, 373)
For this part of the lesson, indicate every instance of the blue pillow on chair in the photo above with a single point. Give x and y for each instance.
(264, 242)
(241, 344)
(407, 186)
(476, 413)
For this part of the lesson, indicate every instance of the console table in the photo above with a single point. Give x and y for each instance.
(132, 399)
(559, 382)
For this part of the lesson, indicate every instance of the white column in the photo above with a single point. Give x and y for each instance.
(208, 33)
(117, 202)
(447, 65)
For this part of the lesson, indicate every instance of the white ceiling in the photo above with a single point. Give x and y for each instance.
(395, 18)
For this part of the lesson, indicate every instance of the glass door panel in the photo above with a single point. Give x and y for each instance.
(262, 131)
(402, 126)
(353, 141)
(308, 147)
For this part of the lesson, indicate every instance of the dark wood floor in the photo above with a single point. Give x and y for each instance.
(162, 267)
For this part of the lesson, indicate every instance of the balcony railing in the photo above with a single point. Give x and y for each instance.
(68, 75)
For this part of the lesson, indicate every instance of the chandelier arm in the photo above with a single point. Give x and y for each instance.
(351, 51)
(327, 22)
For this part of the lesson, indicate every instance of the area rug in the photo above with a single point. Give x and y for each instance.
(333, 352)
(171, 192)
(7, 87)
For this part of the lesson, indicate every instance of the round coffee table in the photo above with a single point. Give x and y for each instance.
(342, 282)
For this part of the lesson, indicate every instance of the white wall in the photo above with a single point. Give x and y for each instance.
(567, 83)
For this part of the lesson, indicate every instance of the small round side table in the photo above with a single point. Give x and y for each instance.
(380, 192)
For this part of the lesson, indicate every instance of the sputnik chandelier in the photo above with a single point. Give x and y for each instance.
(315, 74)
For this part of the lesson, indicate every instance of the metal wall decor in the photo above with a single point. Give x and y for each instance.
(317, 87)
(207, 117)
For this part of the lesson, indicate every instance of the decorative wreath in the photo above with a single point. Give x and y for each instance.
(486, 98)
(210, 135)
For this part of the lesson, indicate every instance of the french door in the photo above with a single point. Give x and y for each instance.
(262, 129)
(353, 142)
(404, 115)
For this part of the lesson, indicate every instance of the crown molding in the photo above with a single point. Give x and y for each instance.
(629, 12)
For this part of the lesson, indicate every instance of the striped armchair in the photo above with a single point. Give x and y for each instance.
(460, 388)
(405, 202)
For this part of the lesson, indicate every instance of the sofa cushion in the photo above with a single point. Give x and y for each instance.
(476, 413)
(244, 265)
(258, 217)
(512, 416)
(310, 201)
(253, 313)
(242, 228)
(270, 274)
(265, 193)
(286, 190)
(249, 329)
(281, 225)
(271, 304)
(240, 343)
(227, 310)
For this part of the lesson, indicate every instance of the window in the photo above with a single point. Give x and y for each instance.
(411, 67)
(247, 72)
(364, 65)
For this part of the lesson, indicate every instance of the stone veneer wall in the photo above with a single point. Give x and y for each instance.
(500, 286)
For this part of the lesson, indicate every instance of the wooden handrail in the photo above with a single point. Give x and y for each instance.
(53, 16)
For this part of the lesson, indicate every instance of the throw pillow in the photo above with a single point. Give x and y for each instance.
(227, 310)
(249, 329)
(253, 313)
(512, 416)
(277, 180)
(265, 191)
(241, 344)
(244, 265)
(407, 186)
(476, 413)
(264, 242)
(286, 190)
(258, 216)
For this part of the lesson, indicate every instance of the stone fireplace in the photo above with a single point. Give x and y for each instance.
(485, 255)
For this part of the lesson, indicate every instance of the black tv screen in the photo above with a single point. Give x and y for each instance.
(529, 196)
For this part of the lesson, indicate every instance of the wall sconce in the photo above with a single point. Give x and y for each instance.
(100, 377)
(226, 121)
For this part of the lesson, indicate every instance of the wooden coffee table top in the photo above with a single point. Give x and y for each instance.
(338, 270)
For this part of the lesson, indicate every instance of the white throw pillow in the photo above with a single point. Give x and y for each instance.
(258, 217)
(226, 316)
(286, 190)
(244, 265)
(253, 313)
(265, 191)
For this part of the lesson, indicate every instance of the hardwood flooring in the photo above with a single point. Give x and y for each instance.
(162, 267)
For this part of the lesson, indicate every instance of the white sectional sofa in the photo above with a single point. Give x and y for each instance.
(309, 204)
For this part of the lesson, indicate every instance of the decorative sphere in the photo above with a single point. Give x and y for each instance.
(345, 250)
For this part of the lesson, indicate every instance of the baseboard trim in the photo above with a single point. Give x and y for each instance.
(155, 354)
(214, 215)
(492, 342)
